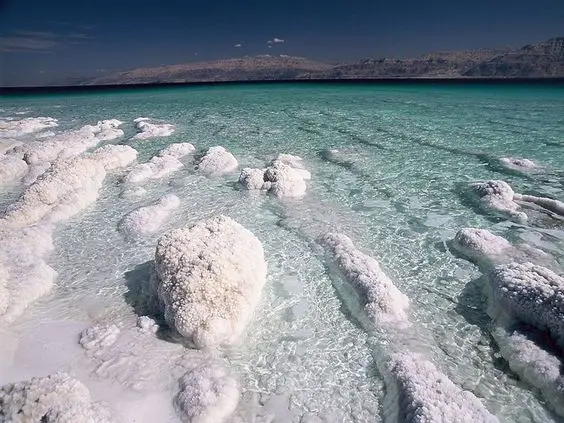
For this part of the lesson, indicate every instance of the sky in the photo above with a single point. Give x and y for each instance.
(55, 41)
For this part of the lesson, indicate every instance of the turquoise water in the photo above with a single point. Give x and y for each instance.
(396, 188)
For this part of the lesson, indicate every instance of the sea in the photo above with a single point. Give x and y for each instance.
(390, 168)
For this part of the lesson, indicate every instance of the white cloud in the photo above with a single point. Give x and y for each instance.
(275, 41)
(238, 45)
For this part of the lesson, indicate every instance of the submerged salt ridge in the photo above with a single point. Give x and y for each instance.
(201, 198)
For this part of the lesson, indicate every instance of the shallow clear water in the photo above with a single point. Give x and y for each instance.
(396, 190)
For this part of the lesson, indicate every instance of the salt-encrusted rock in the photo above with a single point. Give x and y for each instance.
(209, 279)
(12, 169)
(17, 128)
(149, 130)
(157, 167)
(534, 365)
(295, 162)
(480, 244)
(217, 161)
(498, 196)
(147, 220)
(252, 179)
(56, 398)
(285, 181)
(177, 150)
(207, 394)
(532, 294)
(519, 164)
(417, 392)
(546, 203)
(114, 156)
(379, 298)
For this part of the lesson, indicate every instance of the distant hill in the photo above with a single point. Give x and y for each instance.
(539, 60)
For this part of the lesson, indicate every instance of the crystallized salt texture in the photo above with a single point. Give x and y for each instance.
(17, 128)
(147, 220)
(177, 150)
(515, 163)
(480, 244)
(157, 167)
(498, 196)
(12, 169)
(381, 301)
(530, 293)
(284, 177)
(54, 398)
(217, 161)
(419, 393)
(114, 156)
(209, 278)
(546, 203)
(533, 364)
(150, 130)
(207, 394)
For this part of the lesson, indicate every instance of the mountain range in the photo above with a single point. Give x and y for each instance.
(538, 60)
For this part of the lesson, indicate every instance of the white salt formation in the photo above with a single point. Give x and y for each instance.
(519, 164)
(207, 394)
(17, 128)
(56, 398)
(69, 144)
(498, 196)
(480, 244)
(151, 130)
(65, 189)
(24, 274)
(546, 203)
(12, 169)
(379, 298)
(209, 279)
(531, 294)
(534, 365)
(147, 220)
(217, 161)
(419, 393)
(177, 150)
(285, 177)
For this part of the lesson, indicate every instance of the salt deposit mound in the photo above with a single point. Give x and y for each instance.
(419, 393)
(177, 150)
(69, 144)
(24, 274)
(54, 398)
(147, 220)
(217, 161)
(498, 196)
(114, 156)
(533, 364)
(519, 164)
(151, 130)
(207, 394)
(209, 279)
(378, 297)
(156, 168)
(17, 128)
(285, 177)
(531, 294)
(546, 203)
(480, 244)
(12, 169)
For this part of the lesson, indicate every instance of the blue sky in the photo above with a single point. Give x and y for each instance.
(44, 41)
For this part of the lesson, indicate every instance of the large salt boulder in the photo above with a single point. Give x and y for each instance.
(217, 161)
(531, 294)
(417, 392)
(253, 179)
(207, 394)
(497, 196)
(147, 220)
(150, 130)
(381, 301)
(56, 398)
(209, 279)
